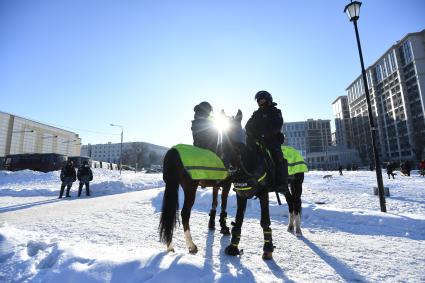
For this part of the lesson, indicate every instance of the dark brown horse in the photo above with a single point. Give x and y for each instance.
(175, 175)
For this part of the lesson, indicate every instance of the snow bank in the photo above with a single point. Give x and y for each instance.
(33, 183)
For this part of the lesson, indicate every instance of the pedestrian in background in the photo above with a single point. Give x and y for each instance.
(422, 167)
(68, 177)
(84, 175)
(390, 170)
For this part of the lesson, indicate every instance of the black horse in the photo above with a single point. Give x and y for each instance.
(175, 175)
(253, 179)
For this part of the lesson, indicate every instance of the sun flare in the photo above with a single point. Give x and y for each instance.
(221, 122)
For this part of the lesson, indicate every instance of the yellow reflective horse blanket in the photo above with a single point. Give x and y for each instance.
(201, 164)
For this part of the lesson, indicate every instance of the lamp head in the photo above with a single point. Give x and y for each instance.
(353, 10)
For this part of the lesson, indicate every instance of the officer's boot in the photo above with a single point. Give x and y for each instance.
(61, 191)
(211, 223)
(268, 244)
(233, 249)
(281, 174)
(80, 188)
(224, 229)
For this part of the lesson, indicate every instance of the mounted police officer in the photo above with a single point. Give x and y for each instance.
(265, 126)
(67, 176)
(84, 175)
(205, 134)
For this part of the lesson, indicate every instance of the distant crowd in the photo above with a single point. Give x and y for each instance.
(405, 168)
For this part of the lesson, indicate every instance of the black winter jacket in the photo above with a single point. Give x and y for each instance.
(68, 172)
(204, 133)
(266, 124)
(85, 174)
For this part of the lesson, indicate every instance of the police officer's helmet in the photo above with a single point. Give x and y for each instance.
(262, 94)
(203, 108)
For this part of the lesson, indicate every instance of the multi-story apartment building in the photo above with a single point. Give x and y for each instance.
(110, 152)
(343, 132)
(313, 139)
(21, 135)
(396, 84)
(308, 136)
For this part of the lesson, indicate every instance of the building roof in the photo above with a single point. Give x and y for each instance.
(395, 45)
(339, 97)
(39, 122)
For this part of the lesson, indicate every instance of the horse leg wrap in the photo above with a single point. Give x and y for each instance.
(268, 241)
(291, 222)
(298, 232)
(233, 249)
(224, 229)
(211, 223)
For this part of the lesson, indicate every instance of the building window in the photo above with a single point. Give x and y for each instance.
(392, 61)
(406, 53)
(378, 73)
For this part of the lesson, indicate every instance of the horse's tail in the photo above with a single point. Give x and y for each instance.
(170, 202)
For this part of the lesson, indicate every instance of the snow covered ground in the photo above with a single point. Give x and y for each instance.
(112, 236)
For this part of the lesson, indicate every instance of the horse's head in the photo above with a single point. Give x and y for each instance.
(252, 176)
(236, 134)
(233, 138)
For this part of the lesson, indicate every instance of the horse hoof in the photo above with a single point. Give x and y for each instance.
(290, 229)
(193, 250)
(225, 231)
(170, 250)
(298, 233)
(211, 225)
(232, 250)
(268, 255)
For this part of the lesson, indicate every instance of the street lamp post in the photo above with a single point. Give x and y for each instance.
(353, 11)
(122, 130)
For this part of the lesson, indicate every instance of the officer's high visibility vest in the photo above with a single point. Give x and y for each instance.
(296, 163)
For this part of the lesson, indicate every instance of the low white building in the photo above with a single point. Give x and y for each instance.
(110, 152)
(20, 135)
(332, 158)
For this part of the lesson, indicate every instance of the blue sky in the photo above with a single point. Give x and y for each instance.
(84, 64)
